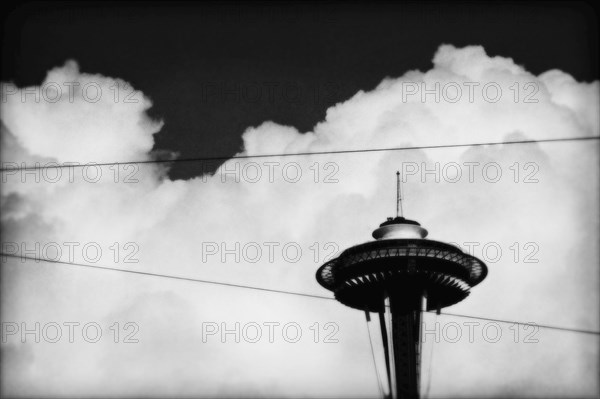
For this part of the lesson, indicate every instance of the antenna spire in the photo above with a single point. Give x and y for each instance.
(399, 211)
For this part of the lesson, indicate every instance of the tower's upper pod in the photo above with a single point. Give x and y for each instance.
(399, 227)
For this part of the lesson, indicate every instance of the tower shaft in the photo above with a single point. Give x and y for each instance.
(401, 323)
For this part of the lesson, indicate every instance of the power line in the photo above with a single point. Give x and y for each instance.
(224, 158)
(166, 276)
(107, 268)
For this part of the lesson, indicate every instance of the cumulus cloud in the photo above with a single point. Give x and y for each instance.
(286, 215)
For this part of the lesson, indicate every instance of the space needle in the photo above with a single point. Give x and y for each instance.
(399, 275)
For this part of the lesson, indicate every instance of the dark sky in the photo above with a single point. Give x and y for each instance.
(213, 70)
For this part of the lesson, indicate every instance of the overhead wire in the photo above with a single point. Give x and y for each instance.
(233, 285)
(351, 151)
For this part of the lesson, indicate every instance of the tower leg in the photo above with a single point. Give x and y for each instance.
(388, 353)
